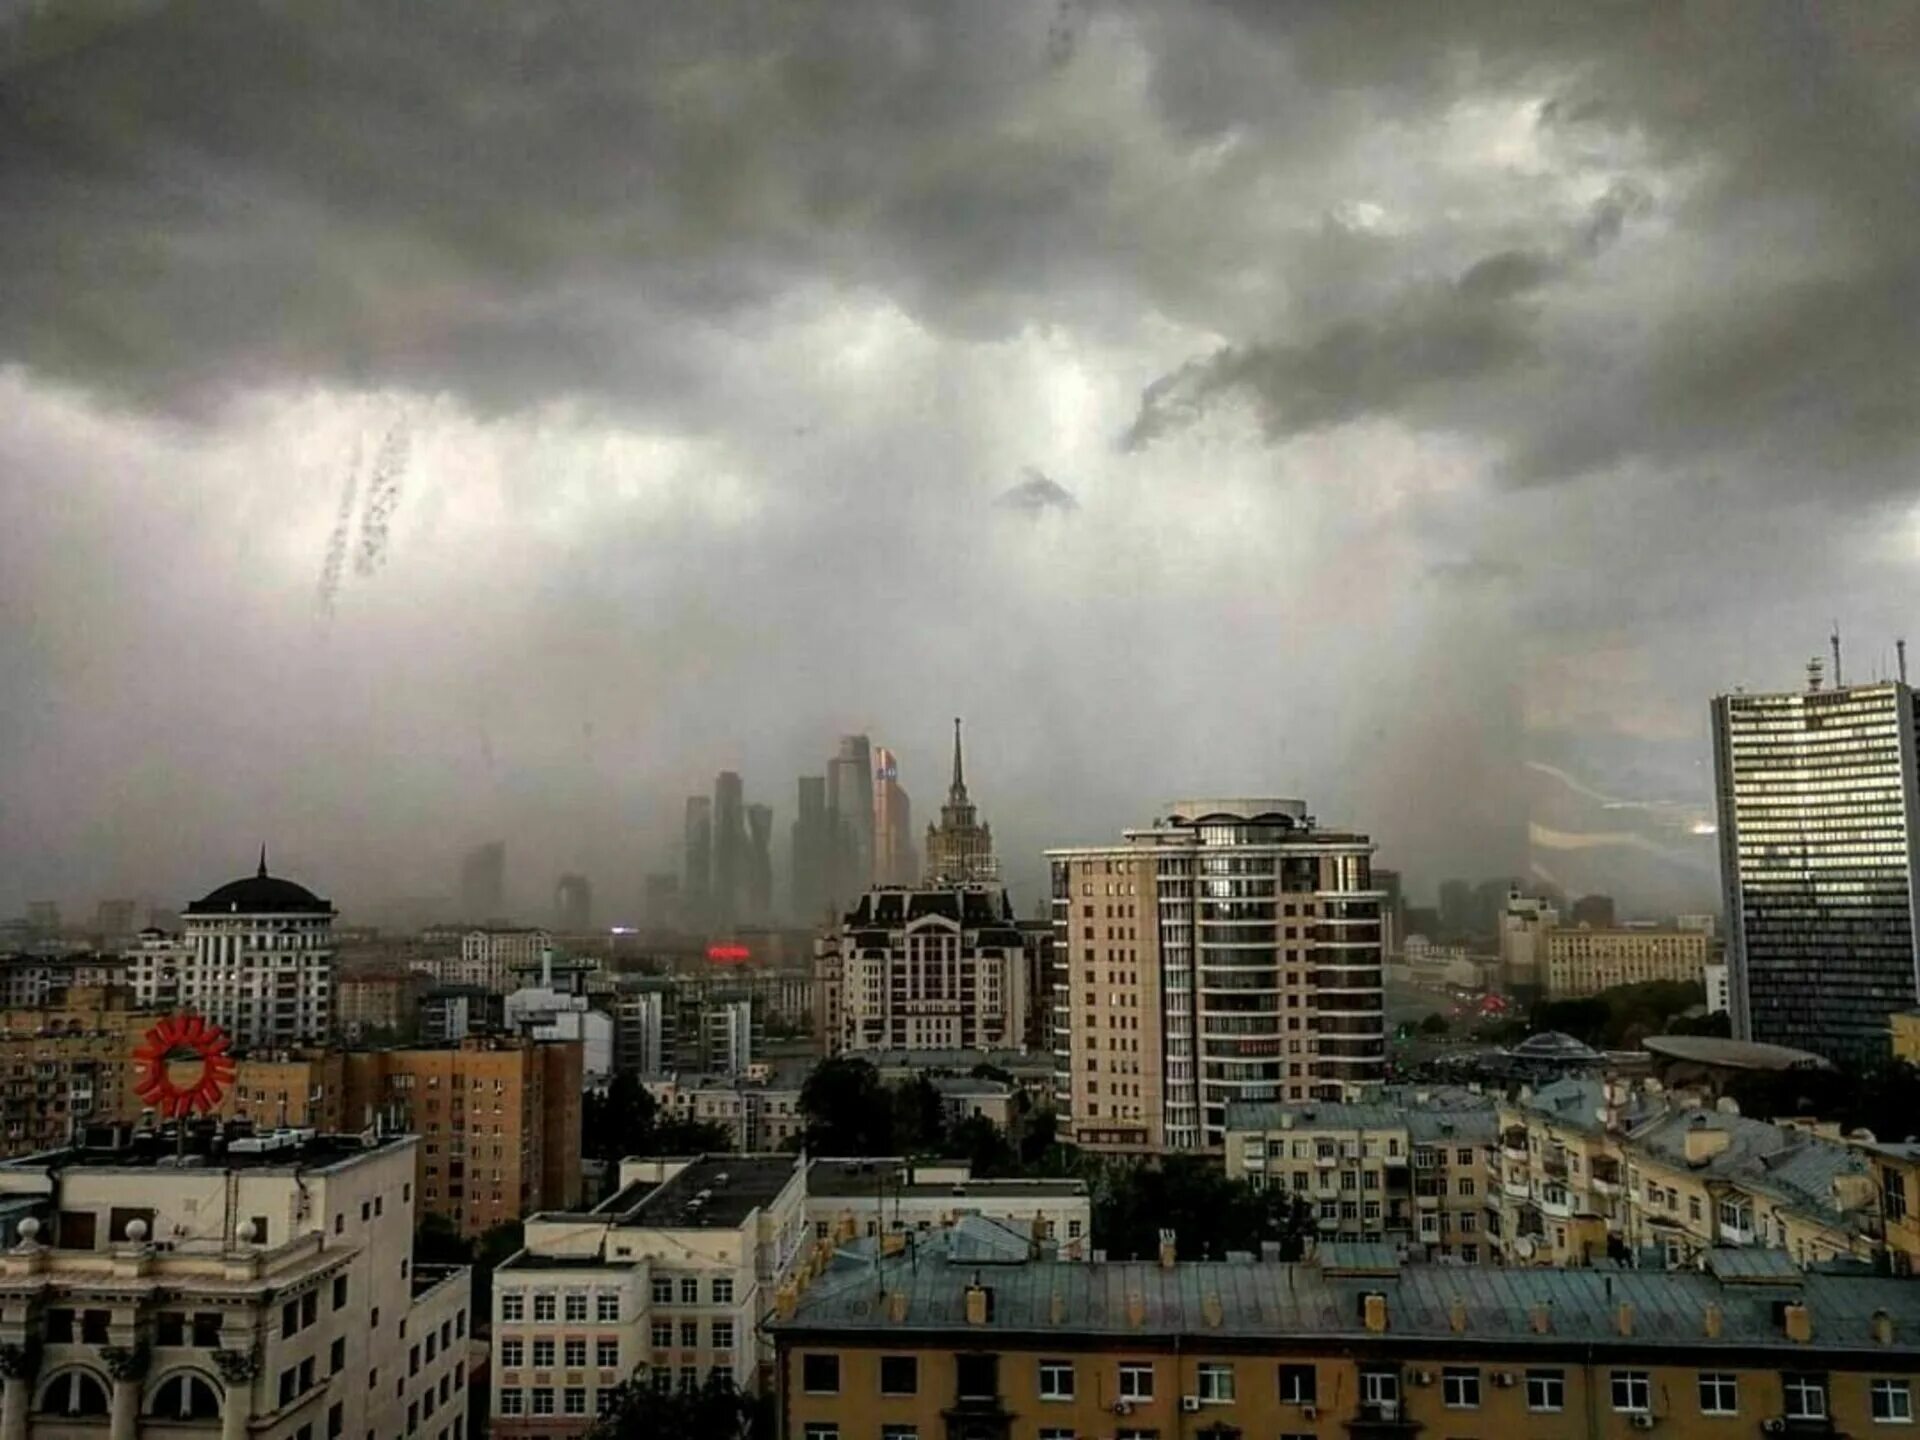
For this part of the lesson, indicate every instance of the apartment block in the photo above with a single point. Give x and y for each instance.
(266, 1289)
(1354, 1344)
(1231, 952)
(381, 1001)
(30, 982)
(757, 1114)
(1407, 1166)
(675, 1273)
(1584, 962)
(1589, 1169)
(258, 961)
(1896, 1168)
(67, 1064)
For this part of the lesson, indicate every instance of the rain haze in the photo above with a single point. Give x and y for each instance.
(423, 425)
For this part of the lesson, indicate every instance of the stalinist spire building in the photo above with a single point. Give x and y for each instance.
(960, 847)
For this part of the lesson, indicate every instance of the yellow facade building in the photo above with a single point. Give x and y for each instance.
(1906, 1036)
(67, 1064)
(1582, 962)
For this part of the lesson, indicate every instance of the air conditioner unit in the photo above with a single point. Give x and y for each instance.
(1504, 1379)
(1775, 1426)
(1309, 1412)
(1190, 1404)
(1123, 1407)
(1642, 1422)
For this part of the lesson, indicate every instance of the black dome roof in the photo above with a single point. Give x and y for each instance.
(261, 894)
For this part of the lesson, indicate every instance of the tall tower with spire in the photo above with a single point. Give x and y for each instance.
(960, 847)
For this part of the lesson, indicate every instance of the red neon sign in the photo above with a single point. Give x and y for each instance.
(728, 954)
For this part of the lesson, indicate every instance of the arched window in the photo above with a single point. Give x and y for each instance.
(74, 1392)
(185, 1397)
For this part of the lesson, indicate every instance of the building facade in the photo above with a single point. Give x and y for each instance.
(379, 1002)
(894, 862)
(1525, 922)
(928, 969)
(1582, 962)
(258, 961)
(1818, 802)
(64, 1066)
(267, 1291)
(1353, 1345)
(1229, 953)
(960, 847)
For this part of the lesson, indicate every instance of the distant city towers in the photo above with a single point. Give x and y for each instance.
(893, 853)
(811, 855)
(850, 802)
(572, 905)
(483, 883)
(696, 889)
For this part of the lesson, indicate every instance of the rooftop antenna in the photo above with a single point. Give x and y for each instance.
(1834, 640)
(1900, 653)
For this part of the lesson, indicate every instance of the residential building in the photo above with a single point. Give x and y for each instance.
(1407, 1165)
(707, 1022)
(1897, 1177)
(302, 1090)
(1818, 796)
(758, 1113)
(1590, 1169)
(1231, 952)
(850, 1199)
(1905, 1029)
(1585, 961)
(934, 969)
(260, 961)
(488, 957)
(960, 848)
(953, 1344)
(1719, 988)
(266, 1289)
(1036, 944)
(66, 1065)
(452, 1013)
(1525, 921)
(675, 1272)
(894, 861)
(383, 1002)
(29, 982)
(153, 968)
(1031, 1074)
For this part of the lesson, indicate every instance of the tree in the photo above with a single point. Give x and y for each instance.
(848, 1110)
(438, 1241)
(497, 1246)
(1038, 1136)
(627, 1121)
(984, 1146)
(715, 1411)
(919, 1118)
(1192, 1196)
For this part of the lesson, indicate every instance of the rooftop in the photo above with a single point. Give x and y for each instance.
(232, 1148)
(261, 894)
(863, 1178)
(1788, 1164)
(1726, 1054)
(715, 1192)
(1260, 1300)
(1428, 1111)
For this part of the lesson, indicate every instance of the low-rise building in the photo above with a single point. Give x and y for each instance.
(378, 1002)
(1407, 1166)
(675, 1273)
(758, 1112)
(868, 1198)
(1897, 1176)
(1906, 1036)
(935, 1345)
(266, 1290)
(29, 982)
(1582, 961)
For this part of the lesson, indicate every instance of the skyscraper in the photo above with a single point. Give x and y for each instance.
(893, 855)
(483, 882)
(811, 857)
(1230, 952)
(572, 904)
(697, 888)
(759, 863)
(850, 802)
(729, 848)
(1818, 806)
(960, 847)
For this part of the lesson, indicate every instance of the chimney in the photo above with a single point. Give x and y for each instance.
(1711, 1323)
(979, 1303)
(1540, 1319)
(1797, 1321)
(1703, 1141)
(1136, 1309)
(1211, 1308)
(1057, 1308)
(785, 1301)
(1882, 1328)
(1457, 1317)
(1624, 1318)
(1169, 1251)
(1373, 1312)
(896, 1307)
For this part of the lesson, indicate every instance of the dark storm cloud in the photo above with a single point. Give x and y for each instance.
(1036, 494)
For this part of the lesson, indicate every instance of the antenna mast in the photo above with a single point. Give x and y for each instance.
(1835, 641)
(1900, 650)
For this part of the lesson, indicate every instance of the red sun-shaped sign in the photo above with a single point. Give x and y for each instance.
(185, 1039)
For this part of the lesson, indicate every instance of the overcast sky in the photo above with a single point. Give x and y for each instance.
(1420, 410)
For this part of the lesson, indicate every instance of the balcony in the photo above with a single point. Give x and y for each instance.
(1606, 1178)
(1383, 1418)
(1556, 1205)
(1515, 1189)
(1427, 1202)
(1555, 1165)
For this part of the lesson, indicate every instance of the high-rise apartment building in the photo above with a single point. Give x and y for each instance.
(1229, 953)
(759, 863)
(893, 855)
(483, 883)
(1817, 801)
(696, 891)
(729, 849)
(812, 844)
(259, 961)
(850, 804)
(927, 969)
(960, 847)
(573, 904)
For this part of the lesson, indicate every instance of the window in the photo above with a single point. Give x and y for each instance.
(574, 1400)
(1693, 1208)
(1297, 1385)
(689, 1290)
(289, 1319)
(606, 1354)
(543, 1354)
(1893, 1402)
(512, 1354)
(689, 1334)
(820, 1430)
(689, 1379)
(899, 1432)
(309, 1308)
(1056, 1380)
(337, 1356)
(820, 1374)
(1546, 1390)
(1631, 1391)
(723, 1334)
(1806, 1395)
(606, 1308)
(1216, 1381)
(513, 1306)
(662, 1334)
(723, 1290)
(336, 1420)
(513, 1402)
(185, 1397)
(544, 1308)
(576, 1353)
(662, 1290)
(977, 1377)
(543, 1401)
(1460, 1388)
(1465, 1185)
(1056, 1432)
(1380, 1387)
(1136, 1382)
(339, 1292)
(899, 1375)
(1719, 1393)
(576, 1308)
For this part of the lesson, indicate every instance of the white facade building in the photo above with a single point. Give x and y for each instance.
(259, 961)
(1719, 988)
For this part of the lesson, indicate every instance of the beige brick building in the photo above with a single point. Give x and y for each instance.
(1584, 962)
